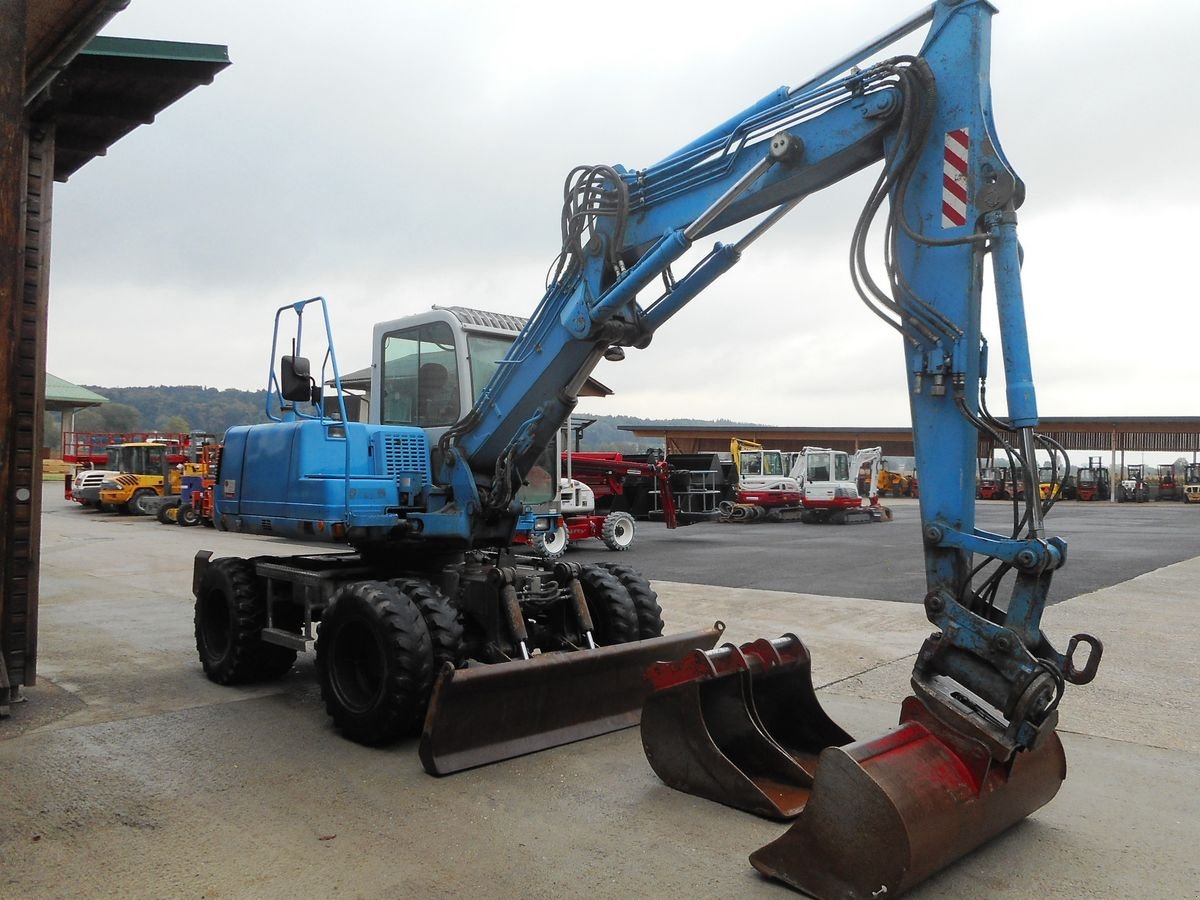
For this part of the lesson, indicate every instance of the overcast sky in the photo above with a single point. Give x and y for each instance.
(395, 155)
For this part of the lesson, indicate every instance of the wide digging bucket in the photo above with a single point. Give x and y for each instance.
(705, 731)
(887, 813)
(483, 714)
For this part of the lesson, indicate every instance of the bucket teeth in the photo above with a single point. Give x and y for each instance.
(739, 725)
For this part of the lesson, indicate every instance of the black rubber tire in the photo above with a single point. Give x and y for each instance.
(165, 515)
(375, 662)
(231, 610)
(549, 546)
(137, 502)
(645, 600)
(441, 618)
(187, 516)
(618, 531)
(614, 616)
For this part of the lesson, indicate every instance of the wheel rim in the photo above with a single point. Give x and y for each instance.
(556, 540)
(357, 667)
(622, 532)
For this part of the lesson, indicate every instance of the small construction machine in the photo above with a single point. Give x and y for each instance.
(144, 472)
(1133, 487)
(1191, 483)
(828, 482)
(1168, 487)
(891, 482)
(1093, 482)
(764, 489)
(993, 483)
(426, 496)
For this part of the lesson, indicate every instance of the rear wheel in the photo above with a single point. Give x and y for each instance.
(645, 600)
(610, 606)
(375, 662)
(187, 516)
(231, 610)
(618, 531)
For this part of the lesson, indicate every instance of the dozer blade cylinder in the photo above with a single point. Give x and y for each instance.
(887, 813)
(484, 714)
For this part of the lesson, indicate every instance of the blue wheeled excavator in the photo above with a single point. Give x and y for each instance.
(427, 495)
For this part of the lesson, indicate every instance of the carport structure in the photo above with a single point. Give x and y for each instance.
(1115, 435)
(65, 98)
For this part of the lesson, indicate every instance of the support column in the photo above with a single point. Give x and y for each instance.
(12, 171)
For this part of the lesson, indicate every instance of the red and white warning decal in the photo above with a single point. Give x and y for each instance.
(954, 178)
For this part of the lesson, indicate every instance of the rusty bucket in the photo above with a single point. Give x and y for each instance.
(487, 713)
(887, 813)
(739, 725)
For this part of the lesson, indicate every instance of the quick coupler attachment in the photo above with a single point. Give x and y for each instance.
(887, 813)
(739, 725)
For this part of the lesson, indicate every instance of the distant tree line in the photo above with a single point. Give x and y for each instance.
(190, 407)
(165, 408)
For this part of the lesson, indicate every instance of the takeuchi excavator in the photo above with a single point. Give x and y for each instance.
(429, 622)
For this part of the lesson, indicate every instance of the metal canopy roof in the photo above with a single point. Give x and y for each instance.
(61, 394)
(1170, 434)
(114, 85)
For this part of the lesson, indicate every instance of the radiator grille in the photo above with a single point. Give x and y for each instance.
(405, 454)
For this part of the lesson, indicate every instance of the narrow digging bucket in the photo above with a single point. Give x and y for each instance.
(704, 732)
(887, 813)
(484, 714)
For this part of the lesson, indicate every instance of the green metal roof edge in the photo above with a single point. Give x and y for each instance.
(64, 391)
(138, 48)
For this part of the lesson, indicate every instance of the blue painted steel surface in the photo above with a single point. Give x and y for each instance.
(904, 112)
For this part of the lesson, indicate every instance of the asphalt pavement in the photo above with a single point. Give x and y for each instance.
(1107, 543)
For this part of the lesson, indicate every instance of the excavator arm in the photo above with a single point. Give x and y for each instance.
(946, 200)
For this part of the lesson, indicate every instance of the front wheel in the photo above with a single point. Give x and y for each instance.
(644, 597)
(139, 503)
(618, 531)
(375, 662)
(549, 544)
(614, 616)
(187, 516)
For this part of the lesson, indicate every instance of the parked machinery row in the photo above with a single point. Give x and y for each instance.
(1094, 482)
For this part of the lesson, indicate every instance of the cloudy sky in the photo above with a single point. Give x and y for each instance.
(395, 155)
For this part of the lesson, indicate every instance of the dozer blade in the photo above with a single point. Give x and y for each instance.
(741, 726)
(887, 813)
(484, 714)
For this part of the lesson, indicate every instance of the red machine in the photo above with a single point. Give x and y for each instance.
(993, 483)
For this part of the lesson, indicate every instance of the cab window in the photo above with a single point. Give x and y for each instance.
(419, 377)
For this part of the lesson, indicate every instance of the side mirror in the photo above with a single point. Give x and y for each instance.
(295, 380)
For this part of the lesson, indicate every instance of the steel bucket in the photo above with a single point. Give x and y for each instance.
(739, 725)
(487, 713)
(887, 813)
